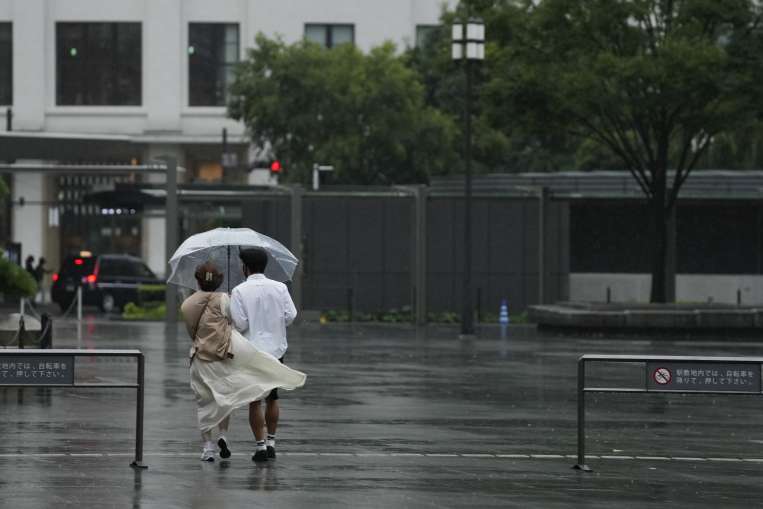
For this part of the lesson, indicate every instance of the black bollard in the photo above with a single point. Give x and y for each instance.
(46, 340)
(479, 305)
(349, 304)
(22, 331)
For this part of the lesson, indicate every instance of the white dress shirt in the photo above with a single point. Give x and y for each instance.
(261, 309)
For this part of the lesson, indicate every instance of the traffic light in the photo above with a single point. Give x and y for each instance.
(276, 168)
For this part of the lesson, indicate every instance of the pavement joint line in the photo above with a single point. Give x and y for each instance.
(396, 455)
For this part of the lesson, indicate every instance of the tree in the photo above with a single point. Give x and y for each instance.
(653, 81)
(508, 147)
(15, 281)
(363, 113)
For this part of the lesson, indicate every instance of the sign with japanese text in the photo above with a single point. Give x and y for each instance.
(703, 376)
(37, 370)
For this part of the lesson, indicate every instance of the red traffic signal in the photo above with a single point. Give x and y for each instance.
(275, 167)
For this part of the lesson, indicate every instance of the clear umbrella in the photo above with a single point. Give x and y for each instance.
(221, 246)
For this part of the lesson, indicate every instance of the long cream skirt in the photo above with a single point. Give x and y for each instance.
(221, 387)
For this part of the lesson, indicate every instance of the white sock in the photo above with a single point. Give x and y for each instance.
(209, 446)
(261, 445)
(271, 440)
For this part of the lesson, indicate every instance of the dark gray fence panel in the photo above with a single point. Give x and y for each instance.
(357, 243)
(366, 244)
(505, 252)
(270, 216)
(614, 236)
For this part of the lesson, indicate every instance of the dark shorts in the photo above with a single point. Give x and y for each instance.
(273, 396)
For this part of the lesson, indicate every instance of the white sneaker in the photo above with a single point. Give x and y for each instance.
(208, 454)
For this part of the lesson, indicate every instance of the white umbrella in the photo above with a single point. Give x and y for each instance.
(221, 246)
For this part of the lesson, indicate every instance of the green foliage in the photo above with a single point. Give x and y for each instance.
(155, 311)
(363, 113)
(444, 317)
(650, 80)
(15, 281)
(403, 315)
(148, 294)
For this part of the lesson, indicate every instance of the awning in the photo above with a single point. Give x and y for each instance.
(16, 145)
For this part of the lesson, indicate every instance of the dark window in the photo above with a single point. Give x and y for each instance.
(425, 34)
(144, 271)
(6, 63)
(213, 52)
(112, 267)
(98, 64)
(137, 269)
(330, 35)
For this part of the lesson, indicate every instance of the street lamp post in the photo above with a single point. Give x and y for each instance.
(468, 45)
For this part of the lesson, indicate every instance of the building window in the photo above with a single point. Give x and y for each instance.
(6, 63)
(425, 34)
(98, 64)
(213, 52)
(330, 35)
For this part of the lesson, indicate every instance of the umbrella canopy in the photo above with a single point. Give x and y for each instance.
(222, 246)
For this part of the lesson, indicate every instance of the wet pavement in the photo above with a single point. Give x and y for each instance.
(390, 417)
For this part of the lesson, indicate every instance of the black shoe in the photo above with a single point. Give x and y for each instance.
(271, 452)
(224, 451)
(260, 456)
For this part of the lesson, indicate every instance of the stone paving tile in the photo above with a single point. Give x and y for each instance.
(390, 417)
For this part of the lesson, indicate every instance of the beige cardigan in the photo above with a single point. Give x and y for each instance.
(211, 337)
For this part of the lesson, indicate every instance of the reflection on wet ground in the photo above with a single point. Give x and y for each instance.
(390, 416)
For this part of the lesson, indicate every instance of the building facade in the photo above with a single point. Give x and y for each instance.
(151, 74)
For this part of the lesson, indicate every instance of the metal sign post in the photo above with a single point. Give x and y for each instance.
(55, 368)
(317, 169)
(677, 375)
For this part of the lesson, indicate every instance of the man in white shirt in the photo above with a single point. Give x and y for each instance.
(261, 310)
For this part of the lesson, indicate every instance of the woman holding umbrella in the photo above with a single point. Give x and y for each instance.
(227, 372)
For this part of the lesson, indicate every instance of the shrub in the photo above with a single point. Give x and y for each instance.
(15, 281)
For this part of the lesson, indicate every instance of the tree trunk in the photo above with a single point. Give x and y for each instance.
(659, 243)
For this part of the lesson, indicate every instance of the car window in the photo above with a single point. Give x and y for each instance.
(142, 271)
(112, 267)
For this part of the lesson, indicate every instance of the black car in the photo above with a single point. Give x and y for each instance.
(108, 281)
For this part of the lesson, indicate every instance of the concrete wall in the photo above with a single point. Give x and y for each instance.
(689, 288)
(30, 221)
